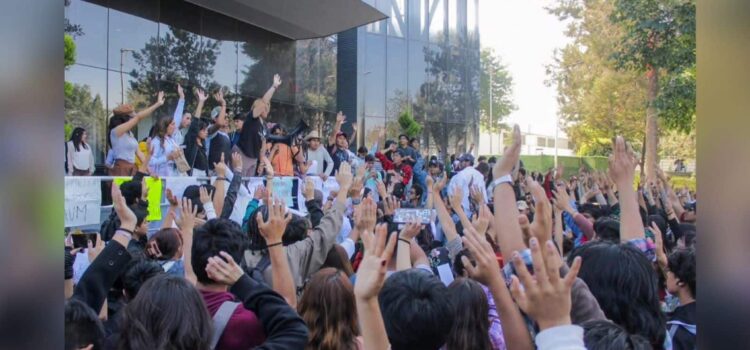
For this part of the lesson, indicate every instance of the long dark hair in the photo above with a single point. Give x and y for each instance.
(167, 313)
(161, 129)
(471, 323)
(329, 310)
(115, 121)
(77, 138)
(623, 281)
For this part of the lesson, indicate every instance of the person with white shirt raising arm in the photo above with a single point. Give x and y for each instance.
(467, 178)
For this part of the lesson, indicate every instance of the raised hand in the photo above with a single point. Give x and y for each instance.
(236, 162)
(127, 217)
(276, 81)
(482, 221)
(371, 272)
(205, 197)
(542, 225)
(455, 198)
(172, 199)
(545, 297)
(661, 255)
(562, 199)
(219, 97)
(510, 156)
(390, 205)
(221, 167)
(340, 117)
(273, 229)
(365, 215)
(223, 269)
(440, 184)
(180, 92)
(186, 221)
(344, 176)
(160, 98)
(202, 96)
(622, 163)
(93, 250)
(411, 230)
(476, 194)
(486, 271)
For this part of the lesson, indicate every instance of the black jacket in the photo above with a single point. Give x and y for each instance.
(284, 328)
(219, 144)
(99, 277)
(682, 338)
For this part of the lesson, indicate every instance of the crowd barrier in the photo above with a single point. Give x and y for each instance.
(88, 199)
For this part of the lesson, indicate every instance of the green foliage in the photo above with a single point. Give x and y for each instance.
(660, 35)
(409, 126)
(597, 99)
(68, 130)
(69, 57)
(492, 70)
(683, 181)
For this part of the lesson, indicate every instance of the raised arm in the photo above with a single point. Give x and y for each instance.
(186, 223)
(202, 97)
(507, 229)
(221, 180)
(130, 124)
(272, 230)
(267, 96)
(370, 279)
(177, 116)
(340, 120)
(622, 171)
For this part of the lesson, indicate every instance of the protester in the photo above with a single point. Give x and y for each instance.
(319, 156)
(253, 130)
(500, 258)
(80, 157)
(120, 138)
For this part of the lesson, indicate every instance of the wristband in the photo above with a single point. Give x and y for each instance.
(275, 244)
(126, 232)
(404, 240)
(222, 178)
(502, 179)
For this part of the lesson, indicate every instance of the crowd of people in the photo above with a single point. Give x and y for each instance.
(509, 259)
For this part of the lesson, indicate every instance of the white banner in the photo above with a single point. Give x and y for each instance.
(83, 201)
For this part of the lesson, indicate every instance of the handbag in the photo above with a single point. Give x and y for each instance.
(181, 163)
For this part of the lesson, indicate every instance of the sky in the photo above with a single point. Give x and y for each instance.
(524, 35)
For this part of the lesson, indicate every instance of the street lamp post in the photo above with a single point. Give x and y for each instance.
(364, 101)
(122, 83)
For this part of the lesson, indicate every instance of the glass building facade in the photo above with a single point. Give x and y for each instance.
(423, 59)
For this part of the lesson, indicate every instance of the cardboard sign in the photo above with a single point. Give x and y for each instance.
(83, 200)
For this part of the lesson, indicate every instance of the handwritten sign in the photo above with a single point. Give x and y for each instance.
(83, 200)
(408, 215)
(283, 188)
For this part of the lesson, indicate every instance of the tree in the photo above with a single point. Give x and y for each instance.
(69, 57)
(86, 111)
(178, 56)
(597, 99)
(493, 71)
(659, 40)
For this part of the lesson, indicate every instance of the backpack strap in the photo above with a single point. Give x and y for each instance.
(221, 319)
(675, 325)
